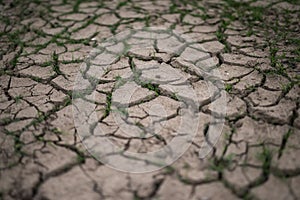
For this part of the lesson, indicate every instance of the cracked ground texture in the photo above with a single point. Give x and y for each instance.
(254, 45)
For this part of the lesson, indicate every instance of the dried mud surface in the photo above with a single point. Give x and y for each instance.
(253, 44)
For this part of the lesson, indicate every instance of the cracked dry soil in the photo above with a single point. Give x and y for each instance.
(253, 44)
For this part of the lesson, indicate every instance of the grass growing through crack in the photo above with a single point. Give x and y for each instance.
(285, 88)
(228, 87)
(284, 141)
(223, 163)
(145, 84)
(276, 60)
(119, 82)
(108, 104)
(80, 158)
(151, 86)
(18, 99)
(76, 5)
(266, 158)
(174, 96)
(55, 64)
(121, 4)
(221, 35)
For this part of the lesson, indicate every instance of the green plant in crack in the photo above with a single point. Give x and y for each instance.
(18, 145)
(2, 72)
(79, 94)
(119, 82)
(174, 96)
(40, 138)
(15, 37)
(55, 63)
(228, 87)
(265, 156)
(296, 2)
(169, 169)
(221, 35)
(121, 4)
(284, 142)
(56, 131)
(18, 99)
(147, 20)
(186, 166)
(46, 64)
(173, 8)
(139, 124)
(223, 163)
(279, 68)
(76, 5)
(285, 88)
(250, 32)
(145, 84)
(151, 86)
(136, 197)
(296, 50)
(6, 120)
(108, 104)
(113, 28)
(245, 12)
(227, 136)
(80, 158)
(40, 117)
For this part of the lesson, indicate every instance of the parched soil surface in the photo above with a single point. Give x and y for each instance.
(253, 46)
